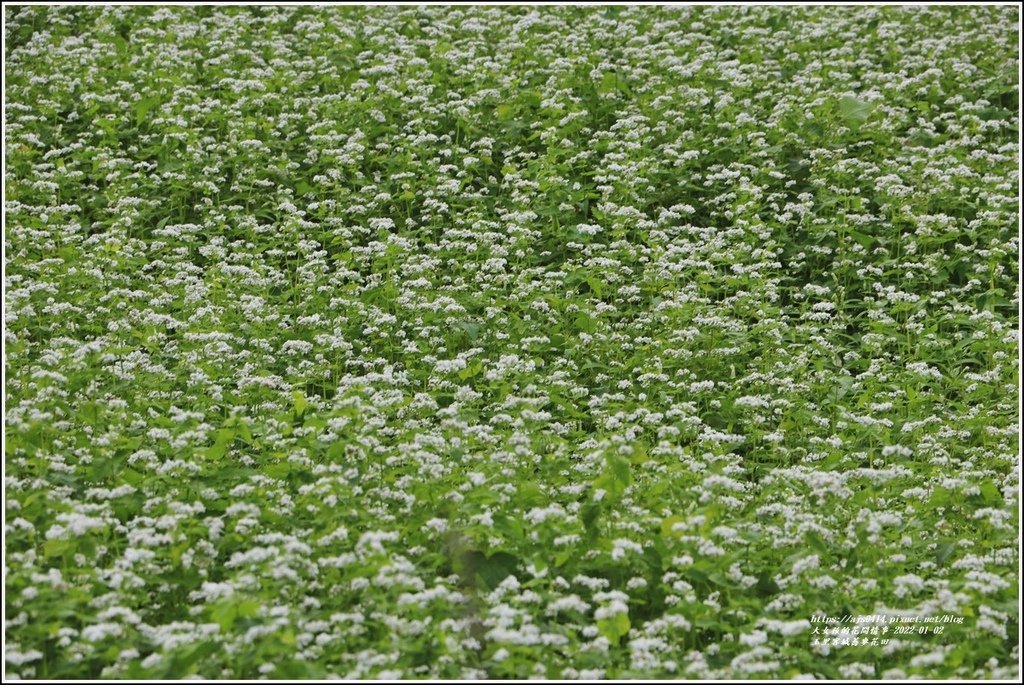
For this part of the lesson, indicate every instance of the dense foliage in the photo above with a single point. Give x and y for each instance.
(507, 342)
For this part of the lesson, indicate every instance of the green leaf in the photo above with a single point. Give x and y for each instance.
(142, 108)
(296, 669)
(55, 548)
(943, 552)
(766, 585)
(840, 390)
(224, 614)
(614, 628)
(86, 545)
(227, 611)
(990, 494)
(471, 370)
(132, 477)
(243, 432)
(216, 451)
(668, 523)
(280, 471)
(470, 329)
(863, 239)
(505, 112)
(508, 528)
(609, 485)
(654, 557)
(300, 403)
(181, 661)
(619, 467)
(941, 497)
(341, 60)
(640, 455)
(854, 111)
(529, 495)
(221, 443)
(497, 567)
(611, 82)
(615, 478)
(585, 323)
(589, 513)
(816, 542)
(249, 608)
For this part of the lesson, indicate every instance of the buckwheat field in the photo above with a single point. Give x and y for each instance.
(512, 342)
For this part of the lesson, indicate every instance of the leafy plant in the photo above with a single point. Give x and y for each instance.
(510, 342)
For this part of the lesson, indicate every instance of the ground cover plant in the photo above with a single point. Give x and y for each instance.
(490, 342)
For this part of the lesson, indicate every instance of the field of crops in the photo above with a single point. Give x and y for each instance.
(509, 342)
